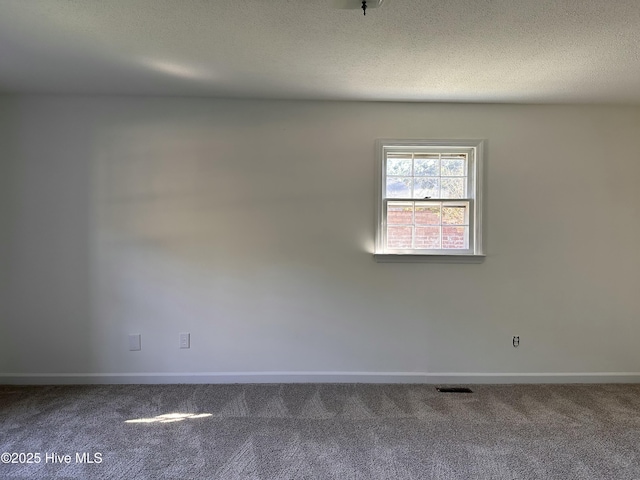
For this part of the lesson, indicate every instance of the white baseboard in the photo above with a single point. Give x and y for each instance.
(314, 377)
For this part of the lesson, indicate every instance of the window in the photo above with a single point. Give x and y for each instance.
(429, 201)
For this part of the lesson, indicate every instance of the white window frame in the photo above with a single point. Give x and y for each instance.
(475, 175)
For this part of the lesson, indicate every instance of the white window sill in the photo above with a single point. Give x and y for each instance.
(409, 258)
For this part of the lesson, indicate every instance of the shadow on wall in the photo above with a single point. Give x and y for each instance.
(7, 131)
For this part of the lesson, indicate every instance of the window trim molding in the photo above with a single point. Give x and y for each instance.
(477, 254)
(427, 258)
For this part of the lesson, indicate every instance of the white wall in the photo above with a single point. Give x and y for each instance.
(250, 225)
(5, 184)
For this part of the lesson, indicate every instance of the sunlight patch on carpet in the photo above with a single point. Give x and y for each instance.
(170, 417)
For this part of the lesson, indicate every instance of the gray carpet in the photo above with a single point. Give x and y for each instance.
(323, 432)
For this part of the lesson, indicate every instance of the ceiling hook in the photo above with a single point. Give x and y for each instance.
(364, 6)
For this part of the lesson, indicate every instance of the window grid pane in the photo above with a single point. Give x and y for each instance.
(426, 175)
(426, 164)
(427, 225)
(399, 237)
(400, 164)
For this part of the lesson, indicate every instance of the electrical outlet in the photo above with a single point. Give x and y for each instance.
(185, 340)
(134, 342)
(516, 340)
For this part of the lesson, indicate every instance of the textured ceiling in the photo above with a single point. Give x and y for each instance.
(538, 51)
